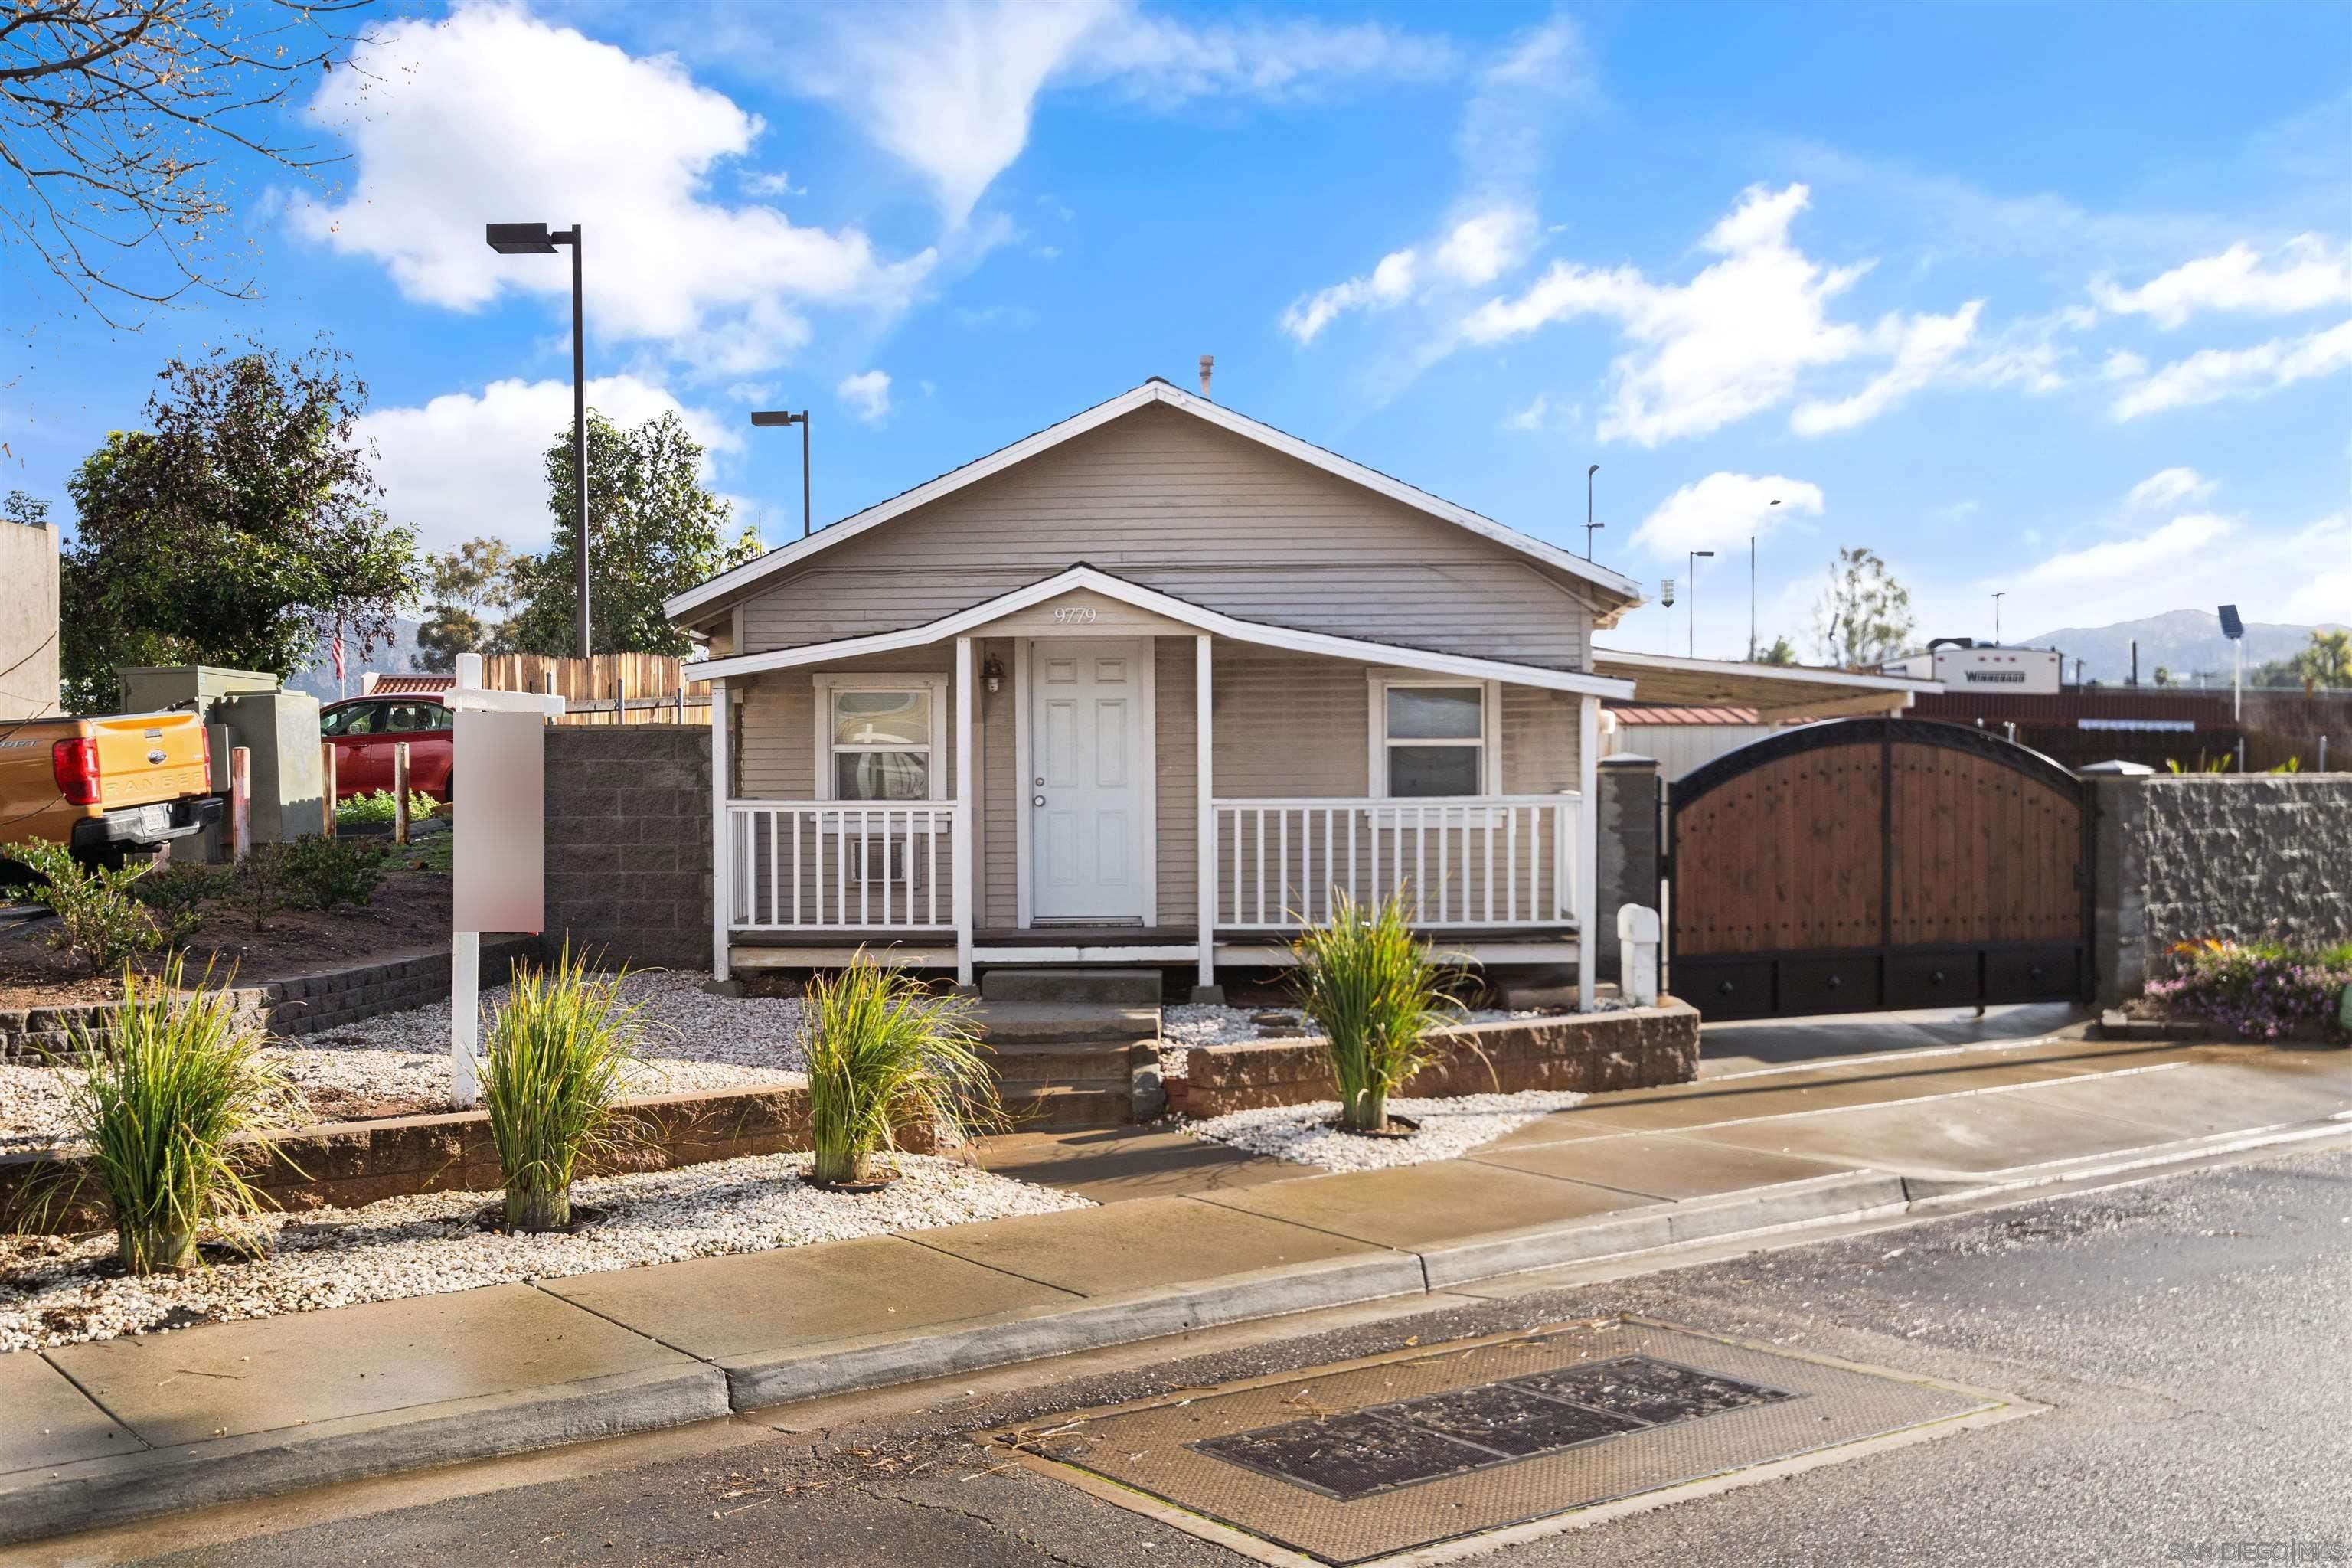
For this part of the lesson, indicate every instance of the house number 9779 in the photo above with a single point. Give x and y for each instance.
(1076, 615)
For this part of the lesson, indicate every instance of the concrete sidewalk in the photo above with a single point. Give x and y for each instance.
(1189, 1235)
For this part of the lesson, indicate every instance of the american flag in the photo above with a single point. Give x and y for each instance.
(341, 682)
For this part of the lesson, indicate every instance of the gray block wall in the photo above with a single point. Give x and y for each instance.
(1628, 871)
(2223, 855)
(628, 842)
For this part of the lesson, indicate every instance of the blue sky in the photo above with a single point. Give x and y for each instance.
(2050, 300)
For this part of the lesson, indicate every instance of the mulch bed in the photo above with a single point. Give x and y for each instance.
(410, 910)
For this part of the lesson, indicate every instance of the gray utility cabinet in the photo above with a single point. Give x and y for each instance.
(281, 730)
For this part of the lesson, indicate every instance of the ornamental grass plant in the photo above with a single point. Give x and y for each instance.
(883, 1053)
(1377, 992)
(174, 1099)
(554, 1067)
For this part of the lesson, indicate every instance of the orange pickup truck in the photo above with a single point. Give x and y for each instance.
(111, 789)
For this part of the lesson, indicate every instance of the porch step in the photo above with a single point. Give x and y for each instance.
(1127, 987)
(1066, 1061)
(1057, 1107)
(1056, 1022)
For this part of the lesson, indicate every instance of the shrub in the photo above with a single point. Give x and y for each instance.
(175, 893)
(555, 1062)
(882, 1052)
(98, 919)
(166, 1098)
(307, 873)
(2257, 990)
(1376, 990)
(379, 808)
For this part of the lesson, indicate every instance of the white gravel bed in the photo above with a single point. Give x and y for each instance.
(1303, 1135)
(398, 1063)
(58, 1290)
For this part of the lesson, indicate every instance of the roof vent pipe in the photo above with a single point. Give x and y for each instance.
(1207, 362)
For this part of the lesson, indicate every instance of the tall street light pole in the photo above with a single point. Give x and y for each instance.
(535, 239)
(1997, 598)
(772, 416)
(1690, 593)
(1589, 524)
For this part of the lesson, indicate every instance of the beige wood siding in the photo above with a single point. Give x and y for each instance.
(1213, 518)
(1001, 794)
(1175, 693)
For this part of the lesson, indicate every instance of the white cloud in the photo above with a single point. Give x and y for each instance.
(1735, 339)
(1724, 508)
(1531, 417)
(1923, 346)
(493, 115)
(462, 466)
(868, 394)
(952, 93)
(2307, 275)
(2211, 375)
(2166, 485)
(1386, 285)
(2122, 560)
(2121, 365)
(1483, 247)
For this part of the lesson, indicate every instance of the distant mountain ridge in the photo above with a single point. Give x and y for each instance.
(2182, 641)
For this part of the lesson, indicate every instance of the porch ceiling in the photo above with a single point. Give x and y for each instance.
(1777, 692)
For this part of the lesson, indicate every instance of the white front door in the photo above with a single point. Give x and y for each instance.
(1090, 755)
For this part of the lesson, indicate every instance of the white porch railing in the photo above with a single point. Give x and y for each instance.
(842, 866)
(1498, 861)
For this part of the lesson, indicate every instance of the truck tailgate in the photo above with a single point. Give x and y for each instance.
(147, 757)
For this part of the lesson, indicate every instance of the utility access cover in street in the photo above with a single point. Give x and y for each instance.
(1350, 1463)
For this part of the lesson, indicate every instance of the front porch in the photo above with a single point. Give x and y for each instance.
(1081, 770)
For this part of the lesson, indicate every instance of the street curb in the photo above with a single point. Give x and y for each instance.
(758, 1382)
(109, 1490)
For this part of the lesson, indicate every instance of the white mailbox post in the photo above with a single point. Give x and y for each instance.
(1637, 954)
(498, 846)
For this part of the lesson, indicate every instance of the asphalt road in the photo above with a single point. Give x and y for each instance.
(2189, 1335)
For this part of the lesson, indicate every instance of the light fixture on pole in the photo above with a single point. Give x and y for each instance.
(2235, 629)
(1691, 592)
(1589, 524)
(537, 239)
(778, 416)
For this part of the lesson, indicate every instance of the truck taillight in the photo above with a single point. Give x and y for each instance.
(75, 764)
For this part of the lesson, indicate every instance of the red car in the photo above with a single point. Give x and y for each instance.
(365, 729)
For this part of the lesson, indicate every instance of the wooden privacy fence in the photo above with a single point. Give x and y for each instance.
(608, 689)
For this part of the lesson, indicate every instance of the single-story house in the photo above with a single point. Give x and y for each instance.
(1146, 687)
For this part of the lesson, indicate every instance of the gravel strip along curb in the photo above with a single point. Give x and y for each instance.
(103, 1491)
(1303, 1134)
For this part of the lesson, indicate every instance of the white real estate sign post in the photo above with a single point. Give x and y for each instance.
(498, 851)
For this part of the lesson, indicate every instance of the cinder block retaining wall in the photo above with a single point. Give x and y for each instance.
(2225, 855)
(1585, 1053)
(349, 1164)
(305, 1005)
(628, 842)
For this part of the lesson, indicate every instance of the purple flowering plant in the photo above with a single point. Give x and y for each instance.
(2259, 990)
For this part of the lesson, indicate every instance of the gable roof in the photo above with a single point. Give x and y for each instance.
(1215, 622)
(1155, 391)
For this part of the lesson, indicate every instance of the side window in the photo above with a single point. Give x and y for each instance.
(436, 716)
(360, 719)
(404, 718)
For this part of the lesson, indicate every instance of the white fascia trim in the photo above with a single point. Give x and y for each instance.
(1213, 622)
(1102, 413)
(1805, 674)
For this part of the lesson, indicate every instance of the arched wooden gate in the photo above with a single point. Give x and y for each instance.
(1877, 863)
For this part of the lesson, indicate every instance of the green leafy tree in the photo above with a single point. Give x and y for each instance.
(1780, 652)
(238, 528)
(1864, 616)
(2325, 662)
(654, 531)
(471, 584)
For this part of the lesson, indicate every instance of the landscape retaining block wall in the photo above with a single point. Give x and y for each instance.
(1583, 1053)
(2236, 856)
(628, 842)
(303, 1004)
(349, 1164)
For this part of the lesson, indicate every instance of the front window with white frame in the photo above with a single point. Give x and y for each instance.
(1433, 738)
(878, 738)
